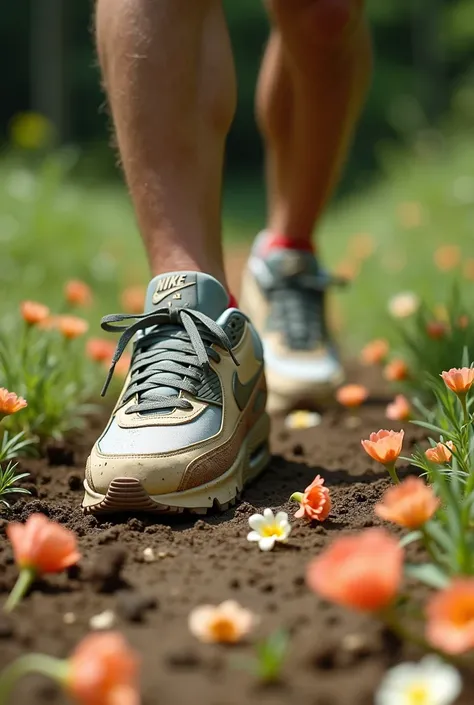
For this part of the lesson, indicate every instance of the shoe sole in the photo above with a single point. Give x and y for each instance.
(127, 494)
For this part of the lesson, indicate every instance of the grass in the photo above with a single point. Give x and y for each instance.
(52, 229)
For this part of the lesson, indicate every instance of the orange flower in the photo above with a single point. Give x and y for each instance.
(78, 293)
(468, 269)
(436, 330)
(352, 395)
(410, 504)
(450, 617)
(71, 326)
(447, 257)
(396, 370)
(100, 350)
(399, 410)
(103, 670)
(133, 299)
(347, 269)
(33, 312)
(315, 502)
(362, 572)
(43, 545)
(384, 446)
(463, 322)
(440, 454)
(374, 352)
(10, 403)
(123, 365)
(459, 380)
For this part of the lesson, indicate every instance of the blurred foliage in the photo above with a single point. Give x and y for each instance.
(423, 50)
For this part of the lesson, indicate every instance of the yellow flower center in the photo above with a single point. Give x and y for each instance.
(224, 630)
(272, 530)
(418, 694)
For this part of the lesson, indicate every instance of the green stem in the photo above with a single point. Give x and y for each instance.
(46, 665)
(393, 473)
(297, 497)
(22, 585)
(24, 345)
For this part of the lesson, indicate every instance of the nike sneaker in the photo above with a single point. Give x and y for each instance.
(190, 429)
(284, 293)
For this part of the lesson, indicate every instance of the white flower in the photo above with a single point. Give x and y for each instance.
(268, 528)
(403, 305)
(429, 682)
(227, 623)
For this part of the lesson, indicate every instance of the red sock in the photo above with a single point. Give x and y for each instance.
(233, 303)
(274, 241)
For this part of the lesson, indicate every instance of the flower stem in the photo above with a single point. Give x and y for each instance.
(393, 473)
(22, 585)
(46, 665)
(297, 497)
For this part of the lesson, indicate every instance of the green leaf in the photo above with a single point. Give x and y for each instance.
(429, 574)
(411, 538)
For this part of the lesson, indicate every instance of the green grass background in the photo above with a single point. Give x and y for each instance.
(53, 228)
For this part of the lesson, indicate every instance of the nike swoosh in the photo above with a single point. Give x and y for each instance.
(160, 296)
(243, 392)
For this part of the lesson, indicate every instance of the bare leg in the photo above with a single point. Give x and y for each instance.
(312, 86)
(169, 75)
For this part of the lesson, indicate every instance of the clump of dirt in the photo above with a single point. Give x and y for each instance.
(335, 658)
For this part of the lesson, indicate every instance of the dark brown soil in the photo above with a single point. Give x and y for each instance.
(335, 657)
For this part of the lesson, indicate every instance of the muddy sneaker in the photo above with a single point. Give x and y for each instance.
(190, 428)
(283, 291)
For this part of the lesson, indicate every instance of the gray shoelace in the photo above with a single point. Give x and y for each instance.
(297, 306)
(173, 352)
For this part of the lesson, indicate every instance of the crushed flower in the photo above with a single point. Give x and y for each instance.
(228, 623)
(315, 501)
(268, 529)
(410, 504)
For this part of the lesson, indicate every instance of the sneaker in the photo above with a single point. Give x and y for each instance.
(284, 292)
(190, 428)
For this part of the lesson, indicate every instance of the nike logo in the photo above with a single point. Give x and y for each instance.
(243, 392)
(159, 296)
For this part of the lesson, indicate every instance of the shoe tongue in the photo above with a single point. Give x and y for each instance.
(193, 290)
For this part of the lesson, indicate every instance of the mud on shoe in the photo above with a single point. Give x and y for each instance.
(189, 430)
(284, 293)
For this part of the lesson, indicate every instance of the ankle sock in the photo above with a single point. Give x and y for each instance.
(274, 241)
(233, 303)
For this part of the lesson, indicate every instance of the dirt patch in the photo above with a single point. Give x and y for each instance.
(335, 657)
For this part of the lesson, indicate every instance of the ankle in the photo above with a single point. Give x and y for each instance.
(274, 240)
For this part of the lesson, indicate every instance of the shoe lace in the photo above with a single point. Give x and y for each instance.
(298, 310)
(172, 350)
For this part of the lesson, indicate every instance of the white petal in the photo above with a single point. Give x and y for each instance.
(281, 517)
(253, 536)
(256, 521)
(266, 543)
(443, 682)
(199, 621)
(268, 514)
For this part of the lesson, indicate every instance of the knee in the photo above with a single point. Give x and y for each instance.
(317, 22)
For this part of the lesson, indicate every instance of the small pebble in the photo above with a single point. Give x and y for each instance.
(353, 642)
(103, 620)
(162, 554)
(149, 555)
(69, 618)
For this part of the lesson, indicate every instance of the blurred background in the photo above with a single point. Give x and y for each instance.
(402, 219)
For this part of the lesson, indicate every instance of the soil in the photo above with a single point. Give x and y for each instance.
(335, 657)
